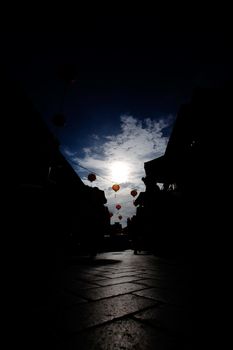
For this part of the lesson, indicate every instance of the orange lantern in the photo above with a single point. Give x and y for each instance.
(116, 187)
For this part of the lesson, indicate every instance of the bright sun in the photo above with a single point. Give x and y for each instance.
(119, 172)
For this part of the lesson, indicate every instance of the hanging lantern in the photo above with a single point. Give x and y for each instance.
(116, 187)
(118, 206)
(110, 214)
(59, 120)
(120, 217)
(133, 193)
(91, 177)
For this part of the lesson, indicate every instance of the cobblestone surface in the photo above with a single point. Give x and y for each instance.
(121, 301)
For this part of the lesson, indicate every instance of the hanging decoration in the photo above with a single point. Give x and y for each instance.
(118, 206)
(115, 187)
(133, 193)
(120, 217)
(91, 177)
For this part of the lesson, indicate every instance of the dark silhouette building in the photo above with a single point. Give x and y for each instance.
(189, 173)
(51, 210)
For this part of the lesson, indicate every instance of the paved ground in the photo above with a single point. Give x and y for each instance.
(120, 301)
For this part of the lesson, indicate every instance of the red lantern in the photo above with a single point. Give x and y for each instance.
(110, 215)
(133, 193)
(91, 177)
(120, 217)
(118, 206)
(116, 187)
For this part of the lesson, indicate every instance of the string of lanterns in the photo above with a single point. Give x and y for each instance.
(115, 187)
(68, 73)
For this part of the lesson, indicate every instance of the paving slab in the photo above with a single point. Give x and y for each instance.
(119, 335)
(91, 314)
(109, 291)
(173, 297)
(174, 319)
(118, 280)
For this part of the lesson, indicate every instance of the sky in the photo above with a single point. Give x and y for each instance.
(129, 82)
(119, 158)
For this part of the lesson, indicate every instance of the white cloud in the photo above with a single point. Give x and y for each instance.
(137, 142)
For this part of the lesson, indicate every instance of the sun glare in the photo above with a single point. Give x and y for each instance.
(119, 172)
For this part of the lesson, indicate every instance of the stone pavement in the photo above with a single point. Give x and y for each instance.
(122, 301)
